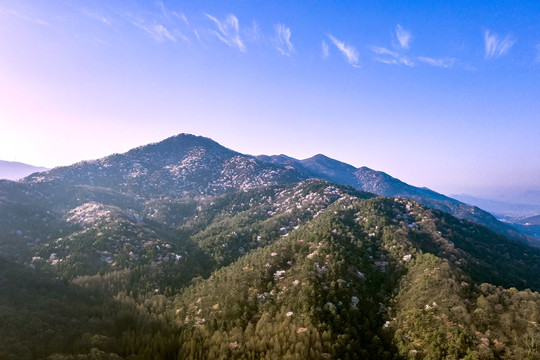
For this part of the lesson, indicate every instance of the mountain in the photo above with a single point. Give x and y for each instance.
(533, 220)
(180, 165)
(191, 165)
(508, 211)
(531, 196)
(516, 215)
(12, 170)
(380, 183)
(233, 257)
(529, 226)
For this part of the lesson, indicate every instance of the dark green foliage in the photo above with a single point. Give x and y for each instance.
(304, 271)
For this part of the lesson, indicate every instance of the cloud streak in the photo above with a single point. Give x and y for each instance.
(349, 51)
(325, 51)
(384, 51)
(495, 46)
(159, 32)
(228, 31)
(390, 57)
(441, 62)
(35, 20)
(252, 33)
(96, 16)
(403, 36)
(282, 40)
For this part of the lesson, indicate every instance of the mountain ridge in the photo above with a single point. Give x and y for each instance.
(187, 164)
(179, 165)
(13, 170)
(170, 265)
(381, 183)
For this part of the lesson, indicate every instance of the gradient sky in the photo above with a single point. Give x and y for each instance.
(439, 94)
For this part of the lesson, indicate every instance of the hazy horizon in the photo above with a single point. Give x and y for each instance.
(437, 95)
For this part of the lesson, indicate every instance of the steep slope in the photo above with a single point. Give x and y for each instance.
(12, 170)
(380, 183)
(183, 237)
(311, 270)
(178, 166)
(365, 279)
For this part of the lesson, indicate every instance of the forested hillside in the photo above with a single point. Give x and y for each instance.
(260, 268)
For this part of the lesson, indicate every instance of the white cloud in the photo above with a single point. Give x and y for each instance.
(161, 32)
(96, 16)
(391, 57)
(404, 37)
(387, 61)
(196, 32)
(253, 33)
(228, 31)
(384, 51)
(163, 9)
(282, 40)
(158, 31)
(181, 16)
(349, 51)
(25, 17)
(495, 46)
(441, 62)
(325, 51)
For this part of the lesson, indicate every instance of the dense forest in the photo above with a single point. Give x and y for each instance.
(187, 250)
(303, 271)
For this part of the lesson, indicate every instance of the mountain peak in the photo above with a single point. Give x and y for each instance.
(323, 160)
(179, 143)
(319, 157)
(180, 165)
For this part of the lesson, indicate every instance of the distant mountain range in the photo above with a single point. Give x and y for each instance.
(525, 197)
(185, 249)
(12, 170)
(533, 220)
(502, 209)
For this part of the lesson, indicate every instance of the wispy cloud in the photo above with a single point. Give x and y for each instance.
(96, 16)
(497, 47)
(441, 62)
(228, 31)
(163, 9)
(390, 57)
(252, 33)
(197, 36)
(349, 51)
(157, 31)
(30, 18)
(282, 40)
(181, 16)
(325, 51)
(403, 36)
(384, 51)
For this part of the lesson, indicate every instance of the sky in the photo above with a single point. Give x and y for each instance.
(436, 93)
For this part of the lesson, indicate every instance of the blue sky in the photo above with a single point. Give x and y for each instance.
(438, 94)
